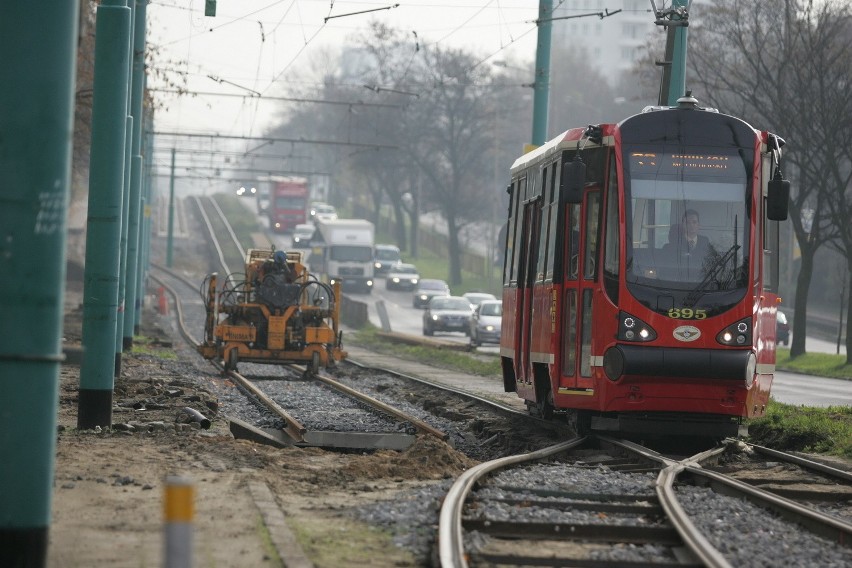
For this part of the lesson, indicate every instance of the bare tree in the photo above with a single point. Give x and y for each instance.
(780, 66)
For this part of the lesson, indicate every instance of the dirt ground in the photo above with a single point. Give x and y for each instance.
(108, 493)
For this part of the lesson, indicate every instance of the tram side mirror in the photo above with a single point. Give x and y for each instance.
(778, 198)
(573, 180)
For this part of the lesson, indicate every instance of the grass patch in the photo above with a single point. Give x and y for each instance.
(820, 364)
(806, 429)
(243, 221)
(430, 265)
(266, 540)
(342, 542)
(152, 346)
(470, 363)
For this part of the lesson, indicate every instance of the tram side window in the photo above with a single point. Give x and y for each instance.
(546, 174)
(519, 231)
(553, 218)
(611, 241)
(573, 241)
(591, 246)
(513, 232)
(509, 253)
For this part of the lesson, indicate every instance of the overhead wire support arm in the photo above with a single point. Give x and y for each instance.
(377, 89)
(601, 15)
(219, 80)
(327, 18)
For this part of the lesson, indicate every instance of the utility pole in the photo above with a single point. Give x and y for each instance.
(103, 226)
(170, 237)
(133, 309)
(676, 22)
(39, 45)
(541, 85)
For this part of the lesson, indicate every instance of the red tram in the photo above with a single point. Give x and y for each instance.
(641, 272)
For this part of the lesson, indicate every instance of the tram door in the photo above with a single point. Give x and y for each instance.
(580, 274)
(526, 279)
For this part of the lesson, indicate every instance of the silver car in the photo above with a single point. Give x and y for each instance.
(302, 235)
(486, 323)
(476, 298)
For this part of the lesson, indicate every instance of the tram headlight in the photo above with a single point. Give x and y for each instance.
(738, 333)
(631, 328)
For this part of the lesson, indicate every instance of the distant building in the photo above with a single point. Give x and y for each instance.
(612, 43)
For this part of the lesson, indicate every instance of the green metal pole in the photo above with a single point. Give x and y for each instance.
(122, 312)
(125, 214)
(147, 190)
(542, 73)
(103, 228)
(677, 86)
(170, 237)
(39, 46)
(673, 81)
(134, 257)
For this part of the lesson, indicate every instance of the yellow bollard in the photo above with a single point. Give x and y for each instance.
(178, 514)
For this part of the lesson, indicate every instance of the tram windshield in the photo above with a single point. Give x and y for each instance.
(687, 225)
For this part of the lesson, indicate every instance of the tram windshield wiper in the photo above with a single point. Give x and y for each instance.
(711, 276)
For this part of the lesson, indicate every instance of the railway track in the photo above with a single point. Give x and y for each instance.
(601, 502)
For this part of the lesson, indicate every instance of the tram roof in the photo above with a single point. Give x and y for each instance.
(568, 140)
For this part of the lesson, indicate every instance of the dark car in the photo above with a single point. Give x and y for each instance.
(402, 276)
(384, 257)
(486, 323)
(446, 313)
(782, 328)
(427, 289)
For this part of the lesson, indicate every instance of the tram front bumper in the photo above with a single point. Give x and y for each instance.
(730, 364)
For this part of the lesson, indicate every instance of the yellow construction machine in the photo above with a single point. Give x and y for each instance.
(279, 313)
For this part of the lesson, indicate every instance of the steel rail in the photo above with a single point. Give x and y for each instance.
(421, 426)
(178, 308)
(450, 534)
(294, 428)
(222, 262)
(689, 533)
(804, 463)
(480, 399)
(228, 227)
(681, 520)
